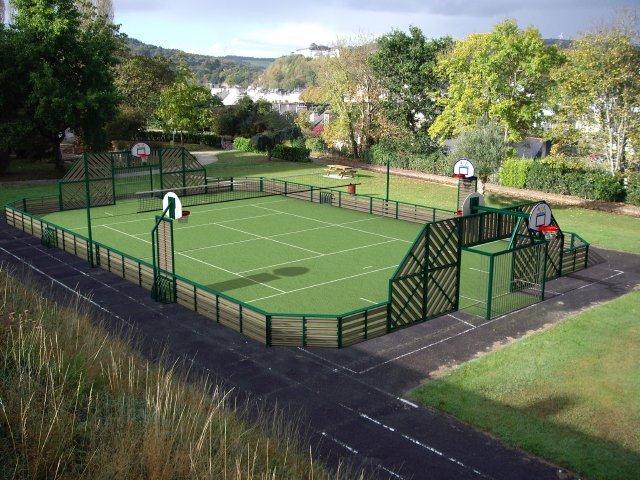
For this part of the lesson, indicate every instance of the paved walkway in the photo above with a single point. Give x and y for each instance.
(352, 402)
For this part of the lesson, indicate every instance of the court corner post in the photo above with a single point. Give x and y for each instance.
(87, 192)
(490, 288)
(386, 196)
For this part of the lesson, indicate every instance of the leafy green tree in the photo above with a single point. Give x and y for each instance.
(504, 75)
(70, 55)
(139, 80)
(347, 84)
(289, 73)
(186, 106)
(405, 66)
(14, 122)
(484, 145)
(248, 118)
(599, 88)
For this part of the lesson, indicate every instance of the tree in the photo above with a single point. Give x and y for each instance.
(70, 57)
(248, 118)
(599, 89)
(504, 75)
(404, 64)
(186, 106)
(484, 145)
(347, 84)
(14, 122)
(289, 73)
(139, 81)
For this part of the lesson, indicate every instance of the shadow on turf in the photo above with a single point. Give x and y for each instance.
(263, 277)
(537, 427)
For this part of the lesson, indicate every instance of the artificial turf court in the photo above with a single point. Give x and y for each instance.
(278, 253)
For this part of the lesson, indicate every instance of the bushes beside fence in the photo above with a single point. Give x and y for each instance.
(435, 162)
(633, 189)
(202, 138)
(243, 144)
(557, 175)
(291, 154)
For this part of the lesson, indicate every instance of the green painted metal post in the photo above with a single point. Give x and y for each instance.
(160, 169)
(87, 192)
(544, 270)
(184, 175)
(490, 289)
(386, 196)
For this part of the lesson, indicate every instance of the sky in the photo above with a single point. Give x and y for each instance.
(273, 28)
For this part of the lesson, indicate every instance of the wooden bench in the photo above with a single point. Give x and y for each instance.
(341, 171)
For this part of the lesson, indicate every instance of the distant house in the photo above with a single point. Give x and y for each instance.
(317, 51)
(282, 101)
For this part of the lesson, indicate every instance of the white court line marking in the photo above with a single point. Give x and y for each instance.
(320, 256)
(422, 445)
(368, 266)
(478, 270)
(323, 283)
(342, 444)
(335, 224)
(205, 263)
(460, 320)
(619, 272)
(227, 221)
(269, 239)
(367, 300)
(141, 217)
(268, 236)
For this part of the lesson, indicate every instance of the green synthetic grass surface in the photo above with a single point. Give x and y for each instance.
(604, 230)
(280, 254)
(570, 394)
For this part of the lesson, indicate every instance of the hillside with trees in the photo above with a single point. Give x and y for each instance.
(289, 73)
(233, 70)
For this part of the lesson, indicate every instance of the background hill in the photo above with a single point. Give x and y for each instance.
(231, 69)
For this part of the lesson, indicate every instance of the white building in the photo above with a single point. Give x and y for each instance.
(317, 51)
(281, 100)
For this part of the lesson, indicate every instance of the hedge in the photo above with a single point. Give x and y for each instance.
(557, 175)
(435, 162)
(514, 171)
(243, 144)
(203, 138)
(291, 154)
(633, 189)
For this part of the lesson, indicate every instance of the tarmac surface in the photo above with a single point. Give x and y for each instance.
(352, 402)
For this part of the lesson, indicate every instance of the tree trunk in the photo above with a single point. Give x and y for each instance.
(57, 140)
(481, 185)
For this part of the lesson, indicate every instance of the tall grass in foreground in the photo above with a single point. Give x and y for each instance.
(76, 402)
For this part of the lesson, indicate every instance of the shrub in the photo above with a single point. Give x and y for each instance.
(405, 155)
(558, 175)
(514, 171)
(633, 189)
(291, 154)
(243, 144)
(315, 144)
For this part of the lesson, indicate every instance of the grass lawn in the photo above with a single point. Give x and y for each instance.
(605, 230)
(570, 394)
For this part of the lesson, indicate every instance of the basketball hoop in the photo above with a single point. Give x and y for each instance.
(549, 231)
(185, 216)
(143, 157)
(460, 175)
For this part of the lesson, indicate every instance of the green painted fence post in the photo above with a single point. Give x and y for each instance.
(490, 289)
(339, 332)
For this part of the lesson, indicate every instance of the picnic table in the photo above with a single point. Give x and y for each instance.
(341, 171)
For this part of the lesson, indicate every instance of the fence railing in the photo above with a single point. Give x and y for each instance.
(279, 329)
